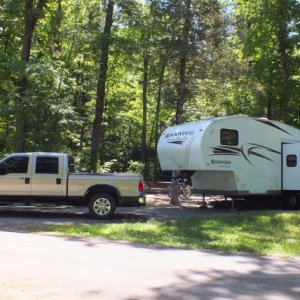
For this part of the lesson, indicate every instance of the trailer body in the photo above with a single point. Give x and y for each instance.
(234, 155)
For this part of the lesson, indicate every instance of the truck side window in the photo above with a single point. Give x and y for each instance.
(46, 165)
(291, 160)
(229, 137)
(15, 164)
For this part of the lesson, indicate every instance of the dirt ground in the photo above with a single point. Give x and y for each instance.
(158, 207)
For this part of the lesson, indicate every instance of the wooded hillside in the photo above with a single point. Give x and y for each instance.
(101, 79)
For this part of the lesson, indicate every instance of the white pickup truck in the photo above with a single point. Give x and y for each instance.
(42, 177)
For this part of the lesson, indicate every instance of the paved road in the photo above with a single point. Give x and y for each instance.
(45, 267)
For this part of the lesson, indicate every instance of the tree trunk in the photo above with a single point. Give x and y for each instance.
(284, 74)
(270, 97)
(283, 45)
(31, 16)
(158, 104)
(57, 35)
(145, 103)
(175, 190)
(182, 88)
(270, 108)
(100, 100)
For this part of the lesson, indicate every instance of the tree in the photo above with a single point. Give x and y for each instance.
(269, 34)
(160, 63)
(100, 100)
(31, 16)
(183, 59)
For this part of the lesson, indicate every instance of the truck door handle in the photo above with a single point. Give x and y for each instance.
(27, 180)
(58, 180)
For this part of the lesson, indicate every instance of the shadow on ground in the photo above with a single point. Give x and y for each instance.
(18, 220)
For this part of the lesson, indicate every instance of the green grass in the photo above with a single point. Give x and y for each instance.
(260, 233)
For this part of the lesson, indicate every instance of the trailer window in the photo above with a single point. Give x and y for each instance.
(229, 137)
(46, 165)
(291, 160)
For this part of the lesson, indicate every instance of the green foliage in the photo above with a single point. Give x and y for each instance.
(136, 167)
(269, 35)
(237, 54)
(107, 166)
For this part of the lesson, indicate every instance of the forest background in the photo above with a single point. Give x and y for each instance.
(101, 80)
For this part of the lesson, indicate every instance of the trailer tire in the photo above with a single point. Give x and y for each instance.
(186, 192)
(102, 206)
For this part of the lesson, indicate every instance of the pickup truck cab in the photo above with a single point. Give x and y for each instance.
(46, 177)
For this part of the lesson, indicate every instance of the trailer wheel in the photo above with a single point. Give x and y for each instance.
(102, 206)
(186, 192)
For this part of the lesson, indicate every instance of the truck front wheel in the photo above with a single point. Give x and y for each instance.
(102, 206)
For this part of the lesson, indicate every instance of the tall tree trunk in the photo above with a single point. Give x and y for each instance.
(31, 15)
(270, 97)
(182, 88)
(270, 108)
(145, 104)
(282, 36)
(58, 19)
(284, 74)
(100, 100)
(158, 104)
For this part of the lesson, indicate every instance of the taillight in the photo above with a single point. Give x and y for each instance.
(141, 186)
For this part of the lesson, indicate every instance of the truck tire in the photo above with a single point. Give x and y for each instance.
(102, 206)
(293, 201)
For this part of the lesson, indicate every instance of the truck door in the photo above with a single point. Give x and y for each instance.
(291, 167)
(15, 176)
(47, 176)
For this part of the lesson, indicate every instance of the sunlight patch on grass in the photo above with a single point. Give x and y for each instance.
(260, 233)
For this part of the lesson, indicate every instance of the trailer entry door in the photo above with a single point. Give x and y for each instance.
(291, 167)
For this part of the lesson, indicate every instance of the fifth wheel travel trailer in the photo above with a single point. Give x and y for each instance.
(235, 156)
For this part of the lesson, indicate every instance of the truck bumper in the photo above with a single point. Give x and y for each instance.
(142, 199)
(133, 201)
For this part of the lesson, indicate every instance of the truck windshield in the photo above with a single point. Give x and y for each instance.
(15, 164)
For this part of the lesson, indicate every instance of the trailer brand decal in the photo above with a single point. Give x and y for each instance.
(246, 151)
(220, 162)
(179, 137)
(182, 133)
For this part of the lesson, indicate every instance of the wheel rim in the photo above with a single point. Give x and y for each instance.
(186, 192)
(102, 206)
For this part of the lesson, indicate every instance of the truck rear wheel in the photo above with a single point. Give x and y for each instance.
(102, 206)
(293, 201)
